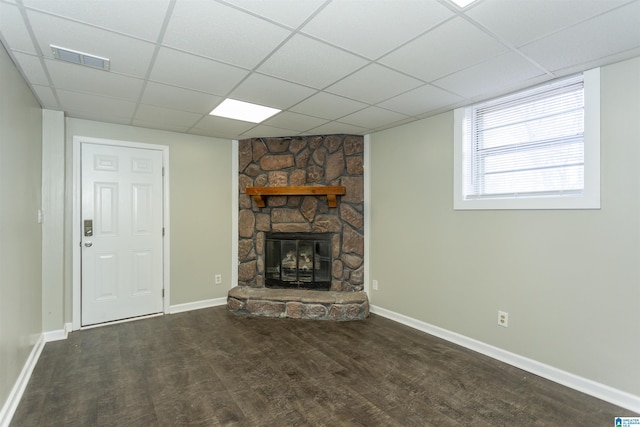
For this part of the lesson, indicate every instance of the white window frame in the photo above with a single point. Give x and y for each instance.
(591, 194)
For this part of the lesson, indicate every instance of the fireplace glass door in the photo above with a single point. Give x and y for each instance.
(298, 261)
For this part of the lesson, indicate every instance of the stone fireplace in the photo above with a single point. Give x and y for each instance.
(320, 248)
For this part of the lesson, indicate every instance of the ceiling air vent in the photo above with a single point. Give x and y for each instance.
(81, 58)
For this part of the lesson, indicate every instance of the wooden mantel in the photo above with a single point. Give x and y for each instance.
(330, 191)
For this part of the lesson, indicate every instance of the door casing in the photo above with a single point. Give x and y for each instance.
(76, 261)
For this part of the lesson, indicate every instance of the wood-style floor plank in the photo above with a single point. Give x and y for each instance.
(212, 368)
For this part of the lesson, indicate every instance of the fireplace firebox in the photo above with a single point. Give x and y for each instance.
(298, 260)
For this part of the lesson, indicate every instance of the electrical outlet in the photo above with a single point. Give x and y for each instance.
(503, 319)
(375, 285)
(218, 279)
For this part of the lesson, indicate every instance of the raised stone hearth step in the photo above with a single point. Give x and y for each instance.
(298, 303)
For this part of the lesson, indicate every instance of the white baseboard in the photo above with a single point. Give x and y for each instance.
(197, 305)
(584, 385)
(60, 334)
(11, 404)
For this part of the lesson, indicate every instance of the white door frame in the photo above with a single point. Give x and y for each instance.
(76, 224)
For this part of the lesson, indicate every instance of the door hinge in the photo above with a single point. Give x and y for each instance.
(163, 171)
(162, 292)
(162, 231)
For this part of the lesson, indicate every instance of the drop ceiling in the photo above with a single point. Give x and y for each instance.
(334, 66)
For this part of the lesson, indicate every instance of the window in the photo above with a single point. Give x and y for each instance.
(535, 149)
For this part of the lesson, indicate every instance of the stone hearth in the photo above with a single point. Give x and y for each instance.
(298, 304)
(333, 160)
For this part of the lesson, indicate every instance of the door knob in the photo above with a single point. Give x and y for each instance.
(88, 244)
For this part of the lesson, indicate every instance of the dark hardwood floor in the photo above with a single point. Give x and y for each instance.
(210, 368)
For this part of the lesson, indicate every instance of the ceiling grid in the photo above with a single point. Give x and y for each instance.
(331, 66)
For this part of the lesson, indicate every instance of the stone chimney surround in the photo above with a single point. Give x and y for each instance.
(328, 161)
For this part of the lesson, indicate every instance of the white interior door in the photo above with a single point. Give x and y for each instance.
(122, 274)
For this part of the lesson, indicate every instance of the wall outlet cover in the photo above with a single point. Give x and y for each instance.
(503, 319)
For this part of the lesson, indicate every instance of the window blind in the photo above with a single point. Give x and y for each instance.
(527, 144)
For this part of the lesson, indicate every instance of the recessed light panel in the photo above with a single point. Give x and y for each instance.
(463, 3)
(80, 58)
(245, 111)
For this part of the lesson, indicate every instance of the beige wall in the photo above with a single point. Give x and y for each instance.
(570, 280)
(20, 233)
(200, 212)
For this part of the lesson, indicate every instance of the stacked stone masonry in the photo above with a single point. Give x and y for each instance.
(303, 161)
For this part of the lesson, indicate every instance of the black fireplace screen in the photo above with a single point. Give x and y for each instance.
(298, 260)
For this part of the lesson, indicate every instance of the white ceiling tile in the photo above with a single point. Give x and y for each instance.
(14, 31)
(598, 62)
(204, 75)
(127, 55)
(161, 125)
(170, 127)
(218, 31)
(225, 128)
(153, 114)
(453, 46)
(372, 117)
(270, 92)
(387, 83)
(179, 99)
(291, 13)
(519, 22)
(506, 72)
(294, 121)
(219, 133)
(374, 28)
(337, 128)
(328, 106)
(46, 96)
(395, 124)
(124, 16)
(96, 107)
(86, 79)
(310, 62)
(606, 35)
(32, 68)
(417, 101)
(263, 131)
(103, 117)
